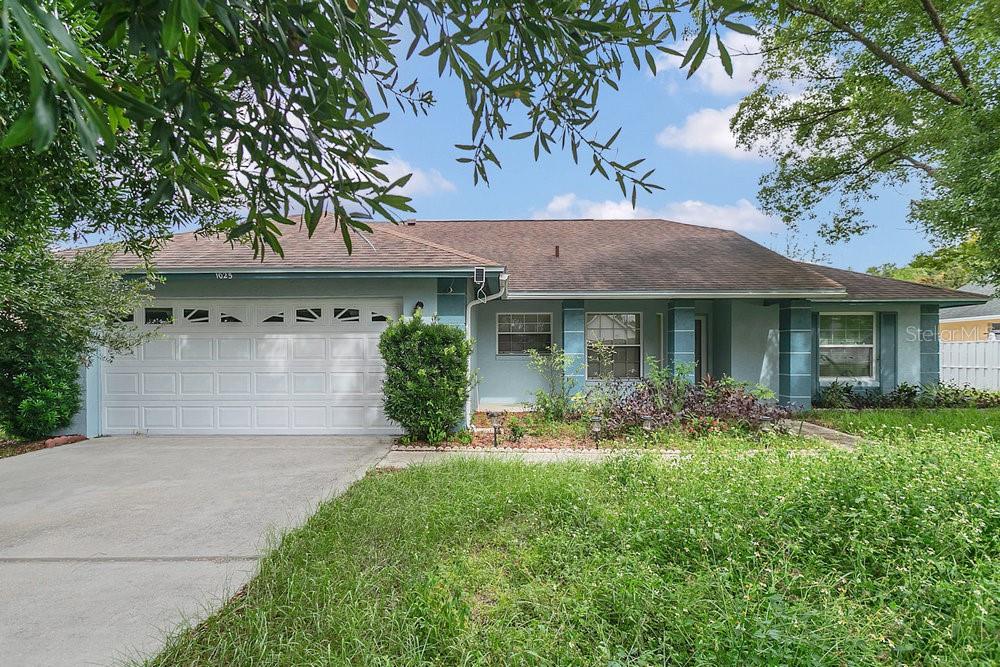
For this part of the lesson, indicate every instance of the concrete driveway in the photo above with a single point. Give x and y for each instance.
(107, 545)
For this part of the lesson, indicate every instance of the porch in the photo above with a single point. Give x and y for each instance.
(792, 347)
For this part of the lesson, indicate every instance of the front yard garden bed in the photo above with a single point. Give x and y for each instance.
(529, 431)
(714, 559)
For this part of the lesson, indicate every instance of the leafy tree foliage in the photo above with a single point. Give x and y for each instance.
(952, 266)
(55, 314)
(278, 104)
(855, 97)
(56, 311)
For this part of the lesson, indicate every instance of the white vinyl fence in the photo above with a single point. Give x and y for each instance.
(975, 363)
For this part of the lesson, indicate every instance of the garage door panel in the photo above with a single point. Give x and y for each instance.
(373, 382)
(158, 350)
(271, 417)
(347, 382)
(347, 348)
(159, 417)
(271, 384)
(159, 384)
(197, 384)
(318, 375)
(196, 349)
(234, 383)
(309, 349)
(122, 418)
(271, 349)
(348, 416)
(308, 383)
(235, 348)
(197, 417)
(121, 384)
(236, 417)
(310, 416)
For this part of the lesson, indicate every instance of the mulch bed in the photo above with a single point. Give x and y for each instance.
(9, 448)
(483, 439)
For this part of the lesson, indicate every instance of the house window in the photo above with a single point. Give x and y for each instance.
(620, 334)
(346, 315)
(308, 315)
(196, 315)
(379, 314)
(847, 346)
(233, 315)
(519, 333)
(272, 316)
(159, 315)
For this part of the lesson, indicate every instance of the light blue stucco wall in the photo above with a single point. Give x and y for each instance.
(753, 345)
(508, 380)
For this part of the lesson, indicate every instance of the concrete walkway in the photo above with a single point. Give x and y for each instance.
(838, 439)
(106, 545)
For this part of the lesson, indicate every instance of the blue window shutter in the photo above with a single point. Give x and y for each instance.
(887, 353)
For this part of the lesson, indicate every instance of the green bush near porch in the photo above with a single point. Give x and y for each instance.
(426, 376)
(832, 559)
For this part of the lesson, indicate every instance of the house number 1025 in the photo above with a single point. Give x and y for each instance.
(224, 276)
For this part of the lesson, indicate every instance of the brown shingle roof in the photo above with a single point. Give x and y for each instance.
(866, 287)
(389, 249)
(627, 256)
(624, 256)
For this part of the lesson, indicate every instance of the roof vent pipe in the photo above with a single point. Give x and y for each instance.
(557, 251)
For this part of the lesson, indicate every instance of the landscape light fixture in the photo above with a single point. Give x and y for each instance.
(494, 418)
(595, 427)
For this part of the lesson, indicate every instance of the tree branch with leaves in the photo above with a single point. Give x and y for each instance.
(856, 98)
(279, 104)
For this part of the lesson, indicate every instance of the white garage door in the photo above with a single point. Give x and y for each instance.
(260, 366)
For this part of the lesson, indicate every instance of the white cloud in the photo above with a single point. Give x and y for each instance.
(423, 181)
(705, 131)
(742, 216)
(711, 75)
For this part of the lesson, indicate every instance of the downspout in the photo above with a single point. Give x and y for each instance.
(468, 335)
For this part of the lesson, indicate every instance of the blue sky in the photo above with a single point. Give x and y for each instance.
(680, 126)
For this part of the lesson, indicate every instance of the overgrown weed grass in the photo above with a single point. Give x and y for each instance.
(884, 556)
(876, 421)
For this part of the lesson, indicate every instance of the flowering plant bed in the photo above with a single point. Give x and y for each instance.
(520, 431)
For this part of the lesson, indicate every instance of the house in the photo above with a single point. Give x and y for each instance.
(291, 345)
(974, 322)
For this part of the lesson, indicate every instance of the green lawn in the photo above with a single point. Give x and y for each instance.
(951, 420)
(887, 557)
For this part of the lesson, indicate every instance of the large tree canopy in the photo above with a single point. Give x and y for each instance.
(856, 97)
(278, 103)
(952, 266)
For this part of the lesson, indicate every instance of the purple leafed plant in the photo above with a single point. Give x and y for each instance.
(712, 404)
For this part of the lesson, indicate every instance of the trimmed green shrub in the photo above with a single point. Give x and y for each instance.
(426, 376)
(40, 400)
